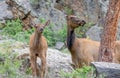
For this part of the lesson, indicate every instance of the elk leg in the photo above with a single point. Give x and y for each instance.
(33, 59)
(43, 66)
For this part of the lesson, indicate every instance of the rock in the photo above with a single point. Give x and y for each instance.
(94, 33)
(106, 70)
(41, 9)
(5, 13)
(87, 10)
(59, 45)
(56, 61)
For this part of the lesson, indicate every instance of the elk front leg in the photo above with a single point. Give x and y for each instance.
(43, 66)
(33, 59)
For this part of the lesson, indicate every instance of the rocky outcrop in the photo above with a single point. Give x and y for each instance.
(54, 10)
(27, 11)
(91, 10)
(56, 61)
(4, 12)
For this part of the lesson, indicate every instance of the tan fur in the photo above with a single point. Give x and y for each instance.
(38, 48)
(87, 51)
(84, 51)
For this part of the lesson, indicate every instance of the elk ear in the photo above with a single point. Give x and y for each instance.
(47, 23)
(34, 25)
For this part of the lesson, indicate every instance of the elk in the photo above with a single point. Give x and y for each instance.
(38, 48)
(84, 51)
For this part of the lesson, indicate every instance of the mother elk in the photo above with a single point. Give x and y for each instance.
(84, 51)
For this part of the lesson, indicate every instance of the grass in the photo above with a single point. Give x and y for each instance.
(84, 72)
(9, 66)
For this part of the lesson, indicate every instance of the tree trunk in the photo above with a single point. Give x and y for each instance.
(107, 45)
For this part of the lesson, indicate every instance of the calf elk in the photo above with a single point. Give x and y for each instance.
(84, 51)
(38, 48)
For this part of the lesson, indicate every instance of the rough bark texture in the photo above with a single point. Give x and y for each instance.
(106, 70)
(107, 47)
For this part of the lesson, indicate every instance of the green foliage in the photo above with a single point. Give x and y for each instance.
(1, 26)
(13, 29)
(80, 32)
(49, 34)
(34, 1)
(24, 36)
(62, 34)
(9, 65)
(9, 68)
(68, 10)
(54, 36)
(84, 72)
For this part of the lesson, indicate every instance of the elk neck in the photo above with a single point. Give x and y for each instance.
(70, 37)
(37, 37)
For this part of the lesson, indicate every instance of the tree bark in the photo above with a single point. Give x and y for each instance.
(108, 38)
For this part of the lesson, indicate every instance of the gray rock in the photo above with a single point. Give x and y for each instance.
(94, 33)
(4, 12)
(56, 61)
(59, 45)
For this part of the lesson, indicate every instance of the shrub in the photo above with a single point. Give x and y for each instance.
(52, 35)
(13, 29)
(84, 72)
(9, 65)
(80, 32)
(9, 68)
(68, 10)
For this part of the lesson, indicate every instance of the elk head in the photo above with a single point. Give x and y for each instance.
(40, 27)
(74, 22)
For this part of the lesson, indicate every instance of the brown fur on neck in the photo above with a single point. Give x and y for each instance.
(36, 41)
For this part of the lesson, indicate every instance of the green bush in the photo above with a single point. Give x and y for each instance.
(24, 36)
(54, 36)
(9, 68)
(80, 32)
(84, 72)
(9, 65)
(14, 28)
(49, 34)
(68, 10)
